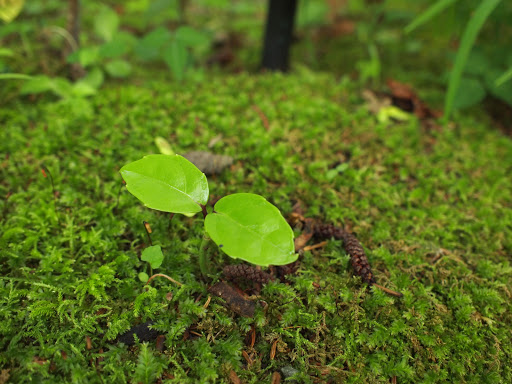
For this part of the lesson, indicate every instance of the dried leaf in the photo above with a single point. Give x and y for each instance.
(404, 97)
(209, 163)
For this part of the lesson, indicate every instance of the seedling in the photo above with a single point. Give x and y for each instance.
(243, 225)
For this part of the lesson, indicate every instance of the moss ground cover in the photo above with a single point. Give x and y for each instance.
(431, 206)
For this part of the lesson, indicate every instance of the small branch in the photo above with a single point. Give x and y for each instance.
(388, 291)
(167, 277)
(203, 208)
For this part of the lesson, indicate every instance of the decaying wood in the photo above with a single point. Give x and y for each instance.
(234, 300)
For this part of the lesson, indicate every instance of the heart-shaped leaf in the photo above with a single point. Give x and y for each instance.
(167, 183)
(153, 255)
(248, 227)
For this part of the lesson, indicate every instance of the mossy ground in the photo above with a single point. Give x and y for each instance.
(432, 208)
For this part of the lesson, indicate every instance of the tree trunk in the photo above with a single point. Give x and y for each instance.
(278, 34)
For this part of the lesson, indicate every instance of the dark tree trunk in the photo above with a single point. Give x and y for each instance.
(74, 30)
(278, 34)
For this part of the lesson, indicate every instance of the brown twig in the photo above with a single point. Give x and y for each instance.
(388, 291)
(162, 275)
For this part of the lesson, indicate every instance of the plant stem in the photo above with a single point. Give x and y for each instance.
(167, 277)
(204, 262)
(203, 207)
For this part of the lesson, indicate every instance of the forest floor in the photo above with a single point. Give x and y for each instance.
(430, 203)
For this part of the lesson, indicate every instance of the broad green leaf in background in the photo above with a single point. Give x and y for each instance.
(94, 78)
(176, 58)
(191, 37)
(153, 255)
(118, 68)
(163, 146)
(86, 56)
(106, 23)
(248, 227)
(149, 47)
(83, 89)
(9, 9)
(167, 183)
(468, 39)
(432, 11)
(59, 86)
(471, 91)
(122, 43)
(37, 84)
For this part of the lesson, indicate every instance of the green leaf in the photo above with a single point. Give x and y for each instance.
(9, 9)
(167, 183)
(248, 227)
(94, 78)
(191, 37)
(468, 39)
(153, 255)
(82, 89)
(148, 48)
(85, 56)
(106, 23)
(37, 84)
(143, 276)
(163, 146)
(433, 10)
(176, 58)
(121, 44)
(470, 92)
(118, 68)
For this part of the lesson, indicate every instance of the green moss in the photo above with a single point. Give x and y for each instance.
(432, 209)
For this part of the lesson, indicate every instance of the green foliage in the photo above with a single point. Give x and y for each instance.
(441, 234)
(244, 225)
(167, 183)
(149, 367)
(248, 227)
(464, 92)
(106, 23)
(153, 255)
(468, 39)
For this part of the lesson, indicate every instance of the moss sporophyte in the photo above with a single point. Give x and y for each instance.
(243, 225)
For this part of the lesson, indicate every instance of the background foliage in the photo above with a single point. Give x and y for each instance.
(430, 203)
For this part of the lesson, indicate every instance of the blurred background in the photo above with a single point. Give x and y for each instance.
(73, 48)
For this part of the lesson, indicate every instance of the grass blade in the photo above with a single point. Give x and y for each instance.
(507, 75)
(14, 76)
(436, 8)
(468, 39)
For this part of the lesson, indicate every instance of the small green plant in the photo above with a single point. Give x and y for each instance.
(464, 89)
(243, 225)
